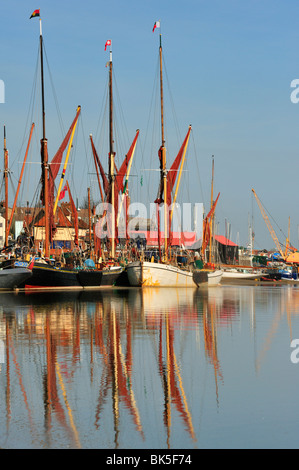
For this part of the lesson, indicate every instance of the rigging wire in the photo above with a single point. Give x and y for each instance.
(30, 109)
(176, 124)
(54, 94)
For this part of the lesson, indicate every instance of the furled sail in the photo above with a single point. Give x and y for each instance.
(54, 169)
(206, 234)
(171, 179)
(121, 175)
(75, 216)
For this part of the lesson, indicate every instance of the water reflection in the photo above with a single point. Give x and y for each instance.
(128, 368)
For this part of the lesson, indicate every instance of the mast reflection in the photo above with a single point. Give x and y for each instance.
(78, 365)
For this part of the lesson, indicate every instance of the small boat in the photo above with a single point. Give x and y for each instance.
(89, 278)
(207, 274)
(12, 275)
(148, 274)
(11, 278)
(289, 273)
(47, 276)
(242, 273)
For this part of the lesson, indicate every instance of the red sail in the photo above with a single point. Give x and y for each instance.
(172, 174)
(97, 162)
(206, 234)
(75, 216)
(124, 167)
(56, 161)
(119, 175)
(54, 169)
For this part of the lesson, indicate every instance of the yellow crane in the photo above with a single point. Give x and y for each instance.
(268, 223)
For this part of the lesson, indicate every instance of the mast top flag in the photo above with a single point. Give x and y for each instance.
(156, 25)
(35, 13)
(108, 43)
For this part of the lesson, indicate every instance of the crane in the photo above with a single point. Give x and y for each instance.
(268, 223)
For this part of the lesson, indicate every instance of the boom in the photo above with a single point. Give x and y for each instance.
(268, 223)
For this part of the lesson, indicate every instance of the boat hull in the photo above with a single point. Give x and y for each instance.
(101, 278)
(208, 278)
(147, 274)
(12, 278)
(45, 276)
(241, 275)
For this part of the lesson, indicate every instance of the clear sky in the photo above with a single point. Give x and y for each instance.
(229, 64)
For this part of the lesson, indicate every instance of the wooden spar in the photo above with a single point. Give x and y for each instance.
(211, 221)
(44, 153)
(127, 177)
(163, 154)
(180, 174)
(74, 212)
(89, 217)
(97, 170)
(21, 176)
(6, 188)
(65, 163)
(206, 228)
(112, 156)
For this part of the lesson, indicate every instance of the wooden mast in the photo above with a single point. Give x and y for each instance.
(6, 187)
(112, 156)
(44, 153)
(163, 155)
(89, 220)
(212, 218)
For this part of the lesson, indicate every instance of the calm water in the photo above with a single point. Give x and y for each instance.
(152, 369)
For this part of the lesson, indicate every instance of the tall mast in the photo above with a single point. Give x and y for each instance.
(163, 154)
(44, 152)
(212, 218)
(112, 156)
(89, 220)
(6, 187)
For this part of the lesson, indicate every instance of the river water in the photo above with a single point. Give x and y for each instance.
(150, 369)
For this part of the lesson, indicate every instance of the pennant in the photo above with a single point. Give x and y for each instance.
(62, 193)
(156, 25)
(108, 43)
(34, 14)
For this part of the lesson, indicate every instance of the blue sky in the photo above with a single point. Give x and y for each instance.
(229, 65)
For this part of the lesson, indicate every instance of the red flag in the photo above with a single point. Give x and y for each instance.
(62, 193)
(156, 25)
(108, 43)
(34, 14)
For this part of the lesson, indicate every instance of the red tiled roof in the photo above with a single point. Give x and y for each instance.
(60, 220)
(178, 238)
(224, 240)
